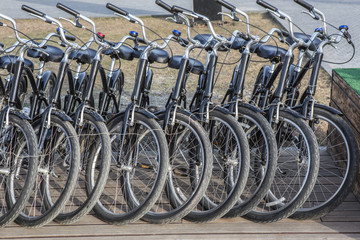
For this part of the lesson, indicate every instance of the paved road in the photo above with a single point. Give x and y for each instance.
(337, 11)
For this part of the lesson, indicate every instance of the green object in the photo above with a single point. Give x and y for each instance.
(351, 76)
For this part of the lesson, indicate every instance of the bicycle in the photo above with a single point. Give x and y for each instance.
(230, 147)
(334, 135)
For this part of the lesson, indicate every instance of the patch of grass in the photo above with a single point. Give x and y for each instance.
(164, 78)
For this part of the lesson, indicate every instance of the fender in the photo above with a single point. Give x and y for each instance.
(81, 80)
(117, 74)
(293, 112)
(45, 79)
(251, 107)
(222, 110)
(266, 74)
(329, 109)
(11, 111)
(141, 111)
(91, 112)
(182, 111)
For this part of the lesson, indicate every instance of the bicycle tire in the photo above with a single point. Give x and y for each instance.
(53, 189)
(17, 184)
(123, 205)
(286, 195)
(181, 194)
(230, 167)
(336, 179)
(95, 150)
(263, 160)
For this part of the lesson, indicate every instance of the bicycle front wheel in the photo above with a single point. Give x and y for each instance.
(95, 153)
(190, 169)
(137, 172)
(18, 166)
(339, 153)
(230, 167)
(57, 172)
(297, 169)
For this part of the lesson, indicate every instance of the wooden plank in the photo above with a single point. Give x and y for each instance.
(72, 231)
(224, 236)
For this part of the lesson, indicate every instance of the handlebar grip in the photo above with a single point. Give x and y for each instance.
(67, 9)
(266, 5)
(116, 9)
(141, 40)
(164, 5)
(176, 8)
(226, 4)
(70, 37)
(304, 4)
(185, 41)
(32, 10)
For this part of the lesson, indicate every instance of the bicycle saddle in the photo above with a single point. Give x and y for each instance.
(155, 55)
(8, 62)
(194, 65)
(83, 56)
(313, 46)
(55, 54)
(124, 52)
(273, 53)
(204, 38)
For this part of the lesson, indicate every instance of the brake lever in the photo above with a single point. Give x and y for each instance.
(76, 23)
(42, 18)
(311, 14)
(174, 19)
(126, 17)
(233, 17)
(276, 13)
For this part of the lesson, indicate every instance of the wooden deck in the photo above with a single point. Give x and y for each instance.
(342, 223)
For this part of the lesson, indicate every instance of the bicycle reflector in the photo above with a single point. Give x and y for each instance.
(134, 34)
(100, 35)
(346, 27)
(176, 33)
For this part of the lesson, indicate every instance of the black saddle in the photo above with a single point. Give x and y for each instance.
(313, 46)
(8, 62)
(54, 54)
(204, 38)
(273, 53)
(155, 55)
(83, 56)
(194, 65)
(124, 52)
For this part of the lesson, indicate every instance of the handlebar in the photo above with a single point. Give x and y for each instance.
(312, 12)
(130, 18)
